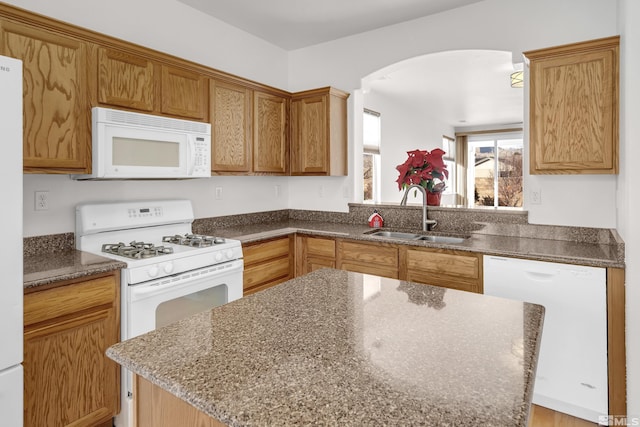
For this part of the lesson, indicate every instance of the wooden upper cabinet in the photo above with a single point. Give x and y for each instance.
(319, 132)
(184, 93)
(56, 111)
(230, 115)
(125, 80)
(270, 144)
(574, 104)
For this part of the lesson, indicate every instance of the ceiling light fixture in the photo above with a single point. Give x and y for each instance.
(517, 79)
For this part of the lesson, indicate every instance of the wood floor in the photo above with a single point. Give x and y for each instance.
(543, 417)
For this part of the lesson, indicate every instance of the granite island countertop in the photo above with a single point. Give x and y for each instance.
(340, 348)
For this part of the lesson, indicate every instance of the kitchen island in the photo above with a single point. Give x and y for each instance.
(341, 348)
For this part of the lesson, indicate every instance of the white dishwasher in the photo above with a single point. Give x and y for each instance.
(572, 367)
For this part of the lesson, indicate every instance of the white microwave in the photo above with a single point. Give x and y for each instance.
(128, 145)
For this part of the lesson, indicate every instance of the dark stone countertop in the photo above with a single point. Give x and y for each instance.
(340, 348)
(50, 268)
(541, 249)
(538, 243)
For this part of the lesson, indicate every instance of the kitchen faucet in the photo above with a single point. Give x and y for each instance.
(425, 222)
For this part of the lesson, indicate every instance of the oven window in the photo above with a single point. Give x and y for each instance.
(145, 152)
(176, 309)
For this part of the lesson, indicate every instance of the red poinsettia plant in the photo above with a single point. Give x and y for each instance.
(425, 168)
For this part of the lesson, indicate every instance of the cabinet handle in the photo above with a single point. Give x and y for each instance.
(540, 276)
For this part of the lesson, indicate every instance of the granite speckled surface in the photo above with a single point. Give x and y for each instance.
(339, 348)
(52, 258)
(605, 252)
(46, 269)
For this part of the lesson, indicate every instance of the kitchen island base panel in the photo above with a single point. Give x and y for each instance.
(155, 407)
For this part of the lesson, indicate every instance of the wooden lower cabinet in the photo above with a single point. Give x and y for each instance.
(313, 253)
(268, 263)
(155, 407)
(68, 380)
(442, 267)
(380, 259)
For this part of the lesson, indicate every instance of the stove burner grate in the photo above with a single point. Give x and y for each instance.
(136, 250)
(195, 240)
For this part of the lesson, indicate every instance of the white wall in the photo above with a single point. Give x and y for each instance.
(343, 63)
(175, 28)
(629, 195)
(506, 25)
(239, 195)
(515, 26)
(404, 128)
(172, 27)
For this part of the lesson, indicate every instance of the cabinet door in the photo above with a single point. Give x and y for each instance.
(439, 267)
(369, 258)
(267, 263)
(184, 93)
(313, 253)
(574, 108)
(270, 144)
(310, 145)
(56, 112)
(230, 113)
(125, 80)
(68, 380)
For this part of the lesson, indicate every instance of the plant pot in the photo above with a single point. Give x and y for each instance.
(433, 199)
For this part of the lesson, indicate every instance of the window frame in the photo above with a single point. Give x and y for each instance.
(496, 138)
(373, 150)
(449, 147)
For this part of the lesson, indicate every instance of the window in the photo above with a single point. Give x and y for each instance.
(494, 170)
(449, 147)
(371, 157)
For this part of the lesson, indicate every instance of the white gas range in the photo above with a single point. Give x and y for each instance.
(170, 274)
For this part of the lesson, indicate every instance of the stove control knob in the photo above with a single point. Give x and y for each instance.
(218, 256)
(153, 271)
(168, 268)
(229, 253)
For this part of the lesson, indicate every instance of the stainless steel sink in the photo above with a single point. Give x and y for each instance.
(396, 235)
(414, 236)
(442, 239)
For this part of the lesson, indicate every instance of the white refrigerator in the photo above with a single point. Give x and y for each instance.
(11, 283)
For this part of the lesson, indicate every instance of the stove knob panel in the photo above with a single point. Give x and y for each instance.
(218, 256)
(229, 253)
(153, 271)
(168, 268)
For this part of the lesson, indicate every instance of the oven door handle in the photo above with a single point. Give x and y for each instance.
(173, 283)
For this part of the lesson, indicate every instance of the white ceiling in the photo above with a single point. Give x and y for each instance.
(463, 88)
(293, 24)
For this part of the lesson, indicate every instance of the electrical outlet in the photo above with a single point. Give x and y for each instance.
(218, 193)
(321, 191)
(536, 196)
(41, 200)
(276, 191)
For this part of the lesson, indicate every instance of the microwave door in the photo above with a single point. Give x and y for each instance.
(143, 153)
